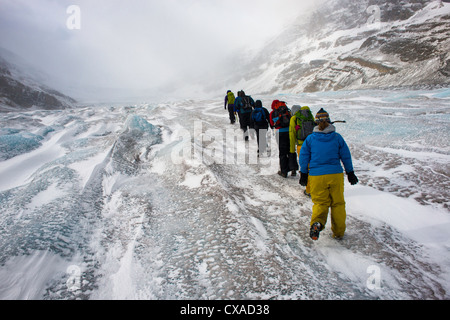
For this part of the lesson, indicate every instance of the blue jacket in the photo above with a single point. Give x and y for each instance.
(324, 151)
(239, 104)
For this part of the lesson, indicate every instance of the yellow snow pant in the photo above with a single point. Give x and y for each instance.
(328, 191)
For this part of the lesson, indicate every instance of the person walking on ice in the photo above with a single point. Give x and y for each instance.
(259, 121)
(300, 127)
(229, 99)
(244, 106)
(324, 150)
(279, 119)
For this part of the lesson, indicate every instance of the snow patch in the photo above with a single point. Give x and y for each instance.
(25, 277)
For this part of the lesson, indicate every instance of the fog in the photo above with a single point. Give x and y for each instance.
(136, 45)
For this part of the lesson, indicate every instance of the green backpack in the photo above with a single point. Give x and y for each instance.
(231, 97)
(306, 122)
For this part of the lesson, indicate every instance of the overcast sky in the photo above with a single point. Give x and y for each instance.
(138, 43)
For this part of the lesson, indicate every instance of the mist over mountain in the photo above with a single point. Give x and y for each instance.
(22, 87)
(344, 44)
(348, 44)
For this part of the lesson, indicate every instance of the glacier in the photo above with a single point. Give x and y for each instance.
(166, 201)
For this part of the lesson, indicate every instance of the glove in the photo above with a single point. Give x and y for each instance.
(352, 178)
(303, 179)
(297, 127)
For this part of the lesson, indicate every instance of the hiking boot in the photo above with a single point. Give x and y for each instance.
(315, 231)
(283, 174)
(293, 173)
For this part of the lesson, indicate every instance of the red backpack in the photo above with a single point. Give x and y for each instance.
(281, 115)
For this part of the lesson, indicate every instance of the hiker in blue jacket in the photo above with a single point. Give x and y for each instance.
(244, 106)
(259, 120)
(324, 150)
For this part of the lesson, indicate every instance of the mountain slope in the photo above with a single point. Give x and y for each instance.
(22, 87)
(357, 45)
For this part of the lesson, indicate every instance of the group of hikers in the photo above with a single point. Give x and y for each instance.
(319, 147)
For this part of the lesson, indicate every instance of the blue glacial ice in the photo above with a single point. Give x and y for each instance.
(13, 143)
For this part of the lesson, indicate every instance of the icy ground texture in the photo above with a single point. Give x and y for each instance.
(168, 202)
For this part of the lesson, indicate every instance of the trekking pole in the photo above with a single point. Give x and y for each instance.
(339, 121)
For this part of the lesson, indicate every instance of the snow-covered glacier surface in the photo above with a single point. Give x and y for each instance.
(167, 201)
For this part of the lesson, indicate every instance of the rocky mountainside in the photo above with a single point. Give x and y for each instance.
(22, 88)
(356, 44)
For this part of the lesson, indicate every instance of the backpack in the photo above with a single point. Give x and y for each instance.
(281, 116)
(246, 103)
(306, 124)
(231, 97)
(258, 116)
